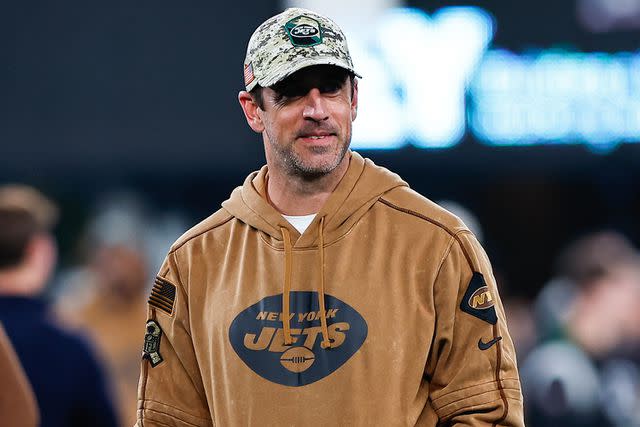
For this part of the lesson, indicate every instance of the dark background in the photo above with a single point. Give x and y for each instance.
(99, 96)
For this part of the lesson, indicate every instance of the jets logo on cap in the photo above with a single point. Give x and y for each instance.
(304, 31)
(257, 337)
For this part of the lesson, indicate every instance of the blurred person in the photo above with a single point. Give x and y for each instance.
(18, 406)
(588, 374)
(325, 291)
(522, 323)
(107, 292)
(67, 381)
(603, 317)
(117, 276)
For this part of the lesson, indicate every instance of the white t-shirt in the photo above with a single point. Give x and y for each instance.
(300, 222)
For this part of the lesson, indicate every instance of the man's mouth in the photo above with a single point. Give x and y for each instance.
(316, 136)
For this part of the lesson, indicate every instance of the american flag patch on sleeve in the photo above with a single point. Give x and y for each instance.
(163, 295)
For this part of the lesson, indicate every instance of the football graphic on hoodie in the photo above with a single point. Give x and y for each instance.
(257, 336)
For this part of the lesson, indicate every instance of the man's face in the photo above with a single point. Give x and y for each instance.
(307, 121)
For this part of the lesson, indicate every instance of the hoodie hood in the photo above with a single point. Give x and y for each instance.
(362, 185)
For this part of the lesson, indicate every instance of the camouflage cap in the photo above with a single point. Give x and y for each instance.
(292, 40)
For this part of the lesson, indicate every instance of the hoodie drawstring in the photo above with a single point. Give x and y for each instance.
(323, 312)
(288, 340)
(286, 321)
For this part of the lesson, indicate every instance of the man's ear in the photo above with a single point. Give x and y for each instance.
(251, 111)
(354, 100)
(40, 259)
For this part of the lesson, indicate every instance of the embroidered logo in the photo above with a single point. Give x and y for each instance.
(489, 344)
(162, 295)
(478, 300)
(151, 349)
(481, 299)
(256, 335)
(304, 31)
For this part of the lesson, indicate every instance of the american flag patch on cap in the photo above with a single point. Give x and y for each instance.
(248, 74)
(162, 295)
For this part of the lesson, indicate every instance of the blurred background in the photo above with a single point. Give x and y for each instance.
(522, 117)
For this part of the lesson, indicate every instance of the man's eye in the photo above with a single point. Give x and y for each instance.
(284, 97)
(287, 93)
(331, 87)
(292, 92)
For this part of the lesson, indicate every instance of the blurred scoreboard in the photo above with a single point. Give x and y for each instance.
(428, 80)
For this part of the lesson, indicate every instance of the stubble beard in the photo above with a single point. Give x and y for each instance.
(294, 165)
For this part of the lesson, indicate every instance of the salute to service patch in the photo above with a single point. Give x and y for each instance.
(151, 349)
(163, 295)
(478, 300)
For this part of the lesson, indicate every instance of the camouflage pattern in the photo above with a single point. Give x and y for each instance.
(294, 39)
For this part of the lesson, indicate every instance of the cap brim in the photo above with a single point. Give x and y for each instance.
(283, 72)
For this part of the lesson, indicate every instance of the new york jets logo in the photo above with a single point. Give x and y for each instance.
(304, 31)
(478, 300)
(257, 336)
(481, 299)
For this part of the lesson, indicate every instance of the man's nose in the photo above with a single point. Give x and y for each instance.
(315, 107)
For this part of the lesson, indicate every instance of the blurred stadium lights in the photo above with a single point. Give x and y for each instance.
(423, 76)
(608, 15)
(422, 67)
(353, 17)
(557, 97)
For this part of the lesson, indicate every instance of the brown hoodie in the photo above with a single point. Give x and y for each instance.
(384, 312)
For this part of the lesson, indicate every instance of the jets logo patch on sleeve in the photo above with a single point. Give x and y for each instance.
(478, 300)
(163, 295)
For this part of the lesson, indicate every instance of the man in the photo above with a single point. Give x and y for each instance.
(68, 384)
(589, 338)
(17, 403)
(116, 278)
(325, 291)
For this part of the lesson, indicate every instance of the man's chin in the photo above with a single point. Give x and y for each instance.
(317, 162)
(314, 170)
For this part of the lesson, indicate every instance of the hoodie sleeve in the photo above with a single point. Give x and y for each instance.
(170, 390)
(472, 366)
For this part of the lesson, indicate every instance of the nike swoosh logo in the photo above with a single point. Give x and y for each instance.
(487, 345)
